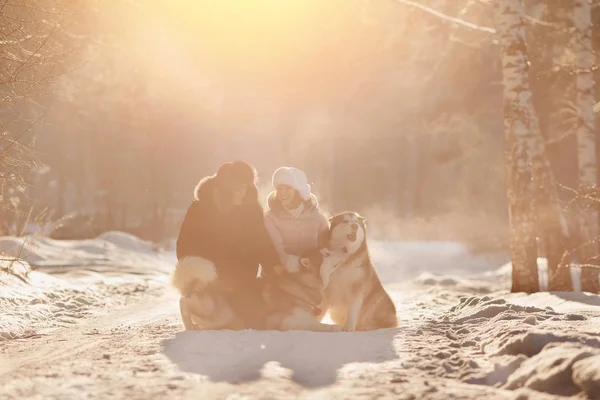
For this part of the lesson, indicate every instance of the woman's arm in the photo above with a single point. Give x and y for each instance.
(290, 262)
(275, 238)
(196, 258)
(190, 229)
(196, 237)
(269, 258)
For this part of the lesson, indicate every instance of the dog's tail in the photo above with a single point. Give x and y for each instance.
(191, 272)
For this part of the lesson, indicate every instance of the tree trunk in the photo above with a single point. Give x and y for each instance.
(551, 224)
(518, 133)
(586, 139)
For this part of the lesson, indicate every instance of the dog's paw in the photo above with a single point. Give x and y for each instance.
(347, 328)
(335, 328)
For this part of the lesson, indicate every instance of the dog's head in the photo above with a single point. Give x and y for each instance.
(348, 230)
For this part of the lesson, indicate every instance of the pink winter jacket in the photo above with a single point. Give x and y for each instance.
(294, 236)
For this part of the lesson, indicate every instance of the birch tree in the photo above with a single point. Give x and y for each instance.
(586, 138)
(518, 134)
(551, 224)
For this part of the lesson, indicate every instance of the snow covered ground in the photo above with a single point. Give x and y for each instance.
(96, 320)
(71, 280)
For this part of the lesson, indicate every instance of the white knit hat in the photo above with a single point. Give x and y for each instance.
(293, 177)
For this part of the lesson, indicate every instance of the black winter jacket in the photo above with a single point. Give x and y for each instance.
(235, 241)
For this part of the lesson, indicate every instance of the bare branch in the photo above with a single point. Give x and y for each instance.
(9, 269)
(447, 18)
(33, 56)
(579, 195)
(19, 136)
(567, 254)
(539, 22)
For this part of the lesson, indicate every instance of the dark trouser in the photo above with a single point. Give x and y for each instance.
(247, 301)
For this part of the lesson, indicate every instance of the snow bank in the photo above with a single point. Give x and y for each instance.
(586, 375)
(92, 274)
(399, 261)
(127, 241)
(455, 283)
(503, 275)
(110, 249)
(531, 345)
(29, 298)
(394, 261)
(545, 343)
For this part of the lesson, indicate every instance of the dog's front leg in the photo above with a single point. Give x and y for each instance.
(331, 260)
(353, 314)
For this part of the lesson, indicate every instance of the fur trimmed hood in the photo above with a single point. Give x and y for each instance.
(275, 206)
(205, 186)
(229, 174)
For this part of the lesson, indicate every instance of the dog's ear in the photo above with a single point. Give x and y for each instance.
(305, 261)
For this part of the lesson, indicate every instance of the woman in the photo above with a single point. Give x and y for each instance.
(293, 219)
(223, 240)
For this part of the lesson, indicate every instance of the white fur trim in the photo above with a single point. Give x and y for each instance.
(293, 177)
(192, 271)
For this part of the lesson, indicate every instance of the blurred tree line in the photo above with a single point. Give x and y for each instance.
(392, 111)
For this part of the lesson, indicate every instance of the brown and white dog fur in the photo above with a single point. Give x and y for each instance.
(293, 300)
(354, 295)
(202, 305)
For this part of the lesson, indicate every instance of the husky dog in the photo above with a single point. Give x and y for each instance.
(294, 299)
(291, 301)
(354, 295)
(202, 304)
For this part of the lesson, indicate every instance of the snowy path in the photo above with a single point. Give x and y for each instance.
(460, 338)
(140, 352)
